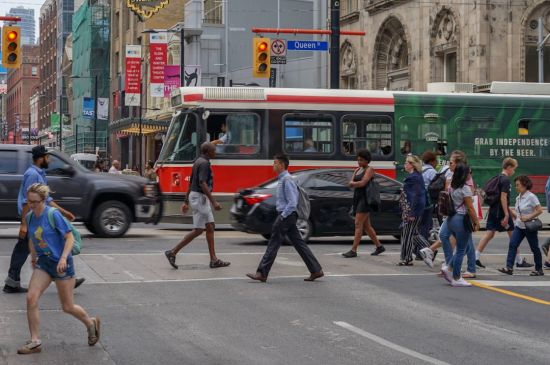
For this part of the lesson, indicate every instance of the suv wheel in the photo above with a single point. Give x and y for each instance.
(111, 219)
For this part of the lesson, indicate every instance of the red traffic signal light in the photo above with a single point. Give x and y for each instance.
(261, 58)
(11, 52)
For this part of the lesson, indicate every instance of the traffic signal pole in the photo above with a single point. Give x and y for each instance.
(335, 44)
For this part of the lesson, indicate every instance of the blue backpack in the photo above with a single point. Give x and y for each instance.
(77, 237)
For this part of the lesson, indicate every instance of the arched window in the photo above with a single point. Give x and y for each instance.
(391, 57)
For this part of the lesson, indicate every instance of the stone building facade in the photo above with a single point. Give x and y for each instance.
(409, 44)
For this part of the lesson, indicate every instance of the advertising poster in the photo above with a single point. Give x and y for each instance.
(133, 75)
(171, 79)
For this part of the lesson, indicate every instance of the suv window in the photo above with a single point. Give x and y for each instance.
(8, 162)
(55, 166)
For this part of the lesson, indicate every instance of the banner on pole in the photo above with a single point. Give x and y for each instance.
(157, 60)
(192, 75)
(133, 75)
(171, 79)
(88, 107)
(103, 108)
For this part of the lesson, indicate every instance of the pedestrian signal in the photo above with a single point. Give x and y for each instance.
(11, 47)
(261, 62)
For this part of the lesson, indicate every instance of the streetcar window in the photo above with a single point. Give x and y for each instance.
(308, 134)
(181, 142)
(373, 133)
(235, 133)
(523, 127)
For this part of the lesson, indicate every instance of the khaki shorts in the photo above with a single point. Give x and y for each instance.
(202, 210)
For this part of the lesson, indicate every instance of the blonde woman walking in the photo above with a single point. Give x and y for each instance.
(413, 203)
(50, 248)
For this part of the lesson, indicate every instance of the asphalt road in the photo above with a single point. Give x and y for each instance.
(365, 311)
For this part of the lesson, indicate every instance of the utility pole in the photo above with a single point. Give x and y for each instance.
(335, 44)
(95, 113)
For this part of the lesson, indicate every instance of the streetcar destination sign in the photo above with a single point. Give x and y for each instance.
(307, 46)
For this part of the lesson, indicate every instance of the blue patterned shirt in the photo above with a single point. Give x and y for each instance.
(287, 194)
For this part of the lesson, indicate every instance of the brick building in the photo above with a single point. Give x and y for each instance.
(48, 79)
(21, 84)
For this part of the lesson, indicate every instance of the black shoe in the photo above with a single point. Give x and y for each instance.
(524, 263)
(171, 258)
(349, 254)
(479, 264)
(78, 282)
(435, 254)
(378, 250)
(14, 290)
(546, 265)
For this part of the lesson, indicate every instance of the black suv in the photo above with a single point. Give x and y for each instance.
(106, 203)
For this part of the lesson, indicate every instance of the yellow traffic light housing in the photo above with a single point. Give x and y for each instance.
(261, 53)
(11, 47)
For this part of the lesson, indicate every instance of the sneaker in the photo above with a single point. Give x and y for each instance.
(545, 246)
(479, 264)
(524, 263)
(378, 250)
(30, 347)
(447, 275)
(427, 256)
(546, 265)
(171, 258)
(349, 254)
(14, 289)
(94, 331)
(460, 283)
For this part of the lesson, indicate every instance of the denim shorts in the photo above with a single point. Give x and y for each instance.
(50, 267)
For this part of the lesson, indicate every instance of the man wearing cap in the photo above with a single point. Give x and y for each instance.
(35, 174)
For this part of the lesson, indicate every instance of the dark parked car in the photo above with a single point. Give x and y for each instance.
(254, 211)
(106, 203)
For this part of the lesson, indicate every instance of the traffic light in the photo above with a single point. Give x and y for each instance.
(261, 63)
(11, 47)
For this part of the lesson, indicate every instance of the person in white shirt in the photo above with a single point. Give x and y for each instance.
(527, 208)
(115, 168)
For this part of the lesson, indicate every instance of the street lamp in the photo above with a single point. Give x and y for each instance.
(95, 104)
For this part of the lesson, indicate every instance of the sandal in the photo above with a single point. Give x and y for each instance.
(537, 273)
(30, 347)
(94, 331)
(405, 263)
(506, 271)
(468, 275)
(171, 259)
(218, 263)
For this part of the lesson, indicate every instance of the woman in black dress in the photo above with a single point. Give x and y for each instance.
(361, 177)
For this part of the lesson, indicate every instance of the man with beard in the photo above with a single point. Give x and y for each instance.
(35, 174)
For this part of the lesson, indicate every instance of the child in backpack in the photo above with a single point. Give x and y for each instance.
(52, 261)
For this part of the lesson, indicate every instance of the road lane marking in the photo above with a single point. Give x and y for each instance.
(508, 292)
(389, 344)
(133, 276)
(515, 283)
(154, 281)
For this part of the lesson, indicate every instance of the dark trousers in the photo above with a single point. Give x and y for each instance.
(517, 236)
(426, 223)
(281, 228)
(18, 258)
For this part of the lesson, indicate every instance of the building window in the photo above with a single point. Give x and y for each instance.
(308, 134)
(213, 11)
(450, 67)
(34, 71)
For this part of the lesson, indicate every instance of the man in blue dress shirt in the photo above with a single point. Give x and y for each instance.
(285, 225)
(35, 174)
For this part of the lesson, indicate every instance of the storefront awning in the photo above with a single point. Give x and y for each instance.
(132, 126)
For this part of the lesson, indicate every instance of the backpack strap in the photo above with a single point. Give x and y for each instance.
(51, 218)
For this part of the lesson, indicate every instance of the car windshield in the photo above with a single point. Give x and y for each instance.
(181, 141)
(300, 177)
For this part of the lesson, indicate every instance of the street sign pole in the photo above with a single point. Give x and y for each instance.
(335, 44)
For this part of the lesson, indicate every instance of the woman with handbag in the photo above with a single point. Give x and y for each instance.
(527, 225)
(361, 209)
(461, 225)
(413, 202)
(52, 261)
